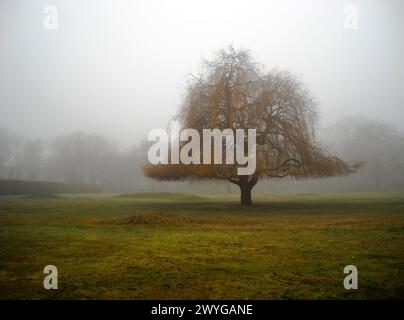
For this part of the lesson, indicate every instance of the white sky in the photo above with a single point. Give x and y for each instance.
(119, 67)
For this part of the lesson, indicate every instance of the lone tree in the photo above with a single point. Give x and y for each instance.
(234, 92)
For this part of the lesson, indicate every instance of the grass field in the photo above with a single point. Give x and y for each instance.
(173, 246)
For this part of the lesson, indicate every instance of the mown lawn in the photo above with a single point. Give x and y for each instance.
(173, 246)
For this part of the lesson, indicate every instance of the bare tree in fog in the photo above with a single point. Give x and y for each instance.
(234, 92)
(11, 154)
(32, 159)
(379, 144)
(4, 152)
(79, 157)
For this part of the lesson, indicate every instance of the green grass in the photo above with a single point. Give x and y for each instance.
(175, 246)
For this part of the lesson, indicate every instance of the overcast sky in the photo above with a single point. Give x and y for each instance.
(119, 67)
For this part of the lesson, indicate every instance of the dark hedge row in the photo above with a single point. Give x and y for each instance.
(30, 187)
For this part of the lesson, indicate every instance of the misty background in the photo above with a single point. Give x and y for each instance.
(77, 102)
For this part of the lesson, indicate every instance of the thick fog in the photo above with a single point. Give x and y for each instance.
(114, 70)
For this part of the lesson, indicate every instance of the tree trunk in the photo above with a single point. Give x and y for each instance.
(246, 185)
(245, 195)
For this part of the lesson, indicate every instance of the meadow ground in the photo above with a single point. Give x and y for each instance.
(173, 246)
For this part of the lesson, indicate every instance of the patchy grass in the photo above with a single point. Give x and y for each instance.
(160, 196)
(44, 196)
(176, 246)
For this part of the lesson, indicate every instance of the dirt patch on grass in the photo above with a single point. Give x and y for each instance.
(155, 219)
(150, 219)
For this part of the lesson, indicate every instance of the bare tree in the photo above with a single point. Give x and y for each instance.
(32, 159)
(79, 157)
(5, 151)
(20, 157)
(235, 92)
(17, 143)
(380, 144)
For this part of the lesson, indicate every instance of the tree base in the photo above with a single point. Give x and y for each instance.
(246, 197)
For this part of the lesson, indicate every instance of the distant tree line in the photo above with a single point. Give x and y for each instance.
(77, 158)
(92, 159)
